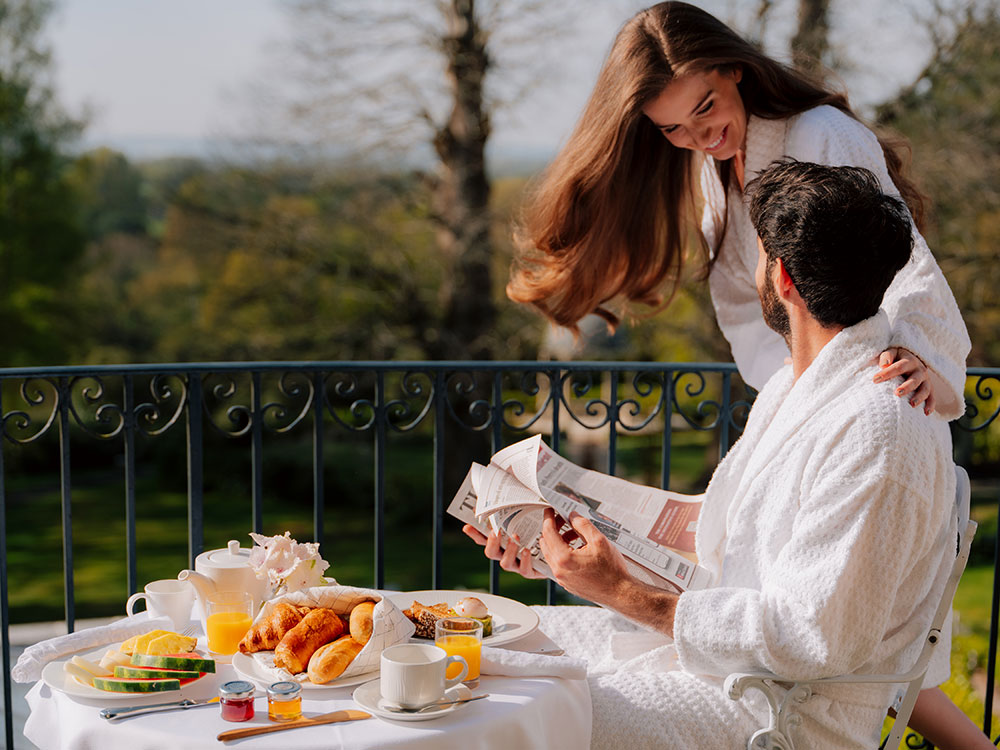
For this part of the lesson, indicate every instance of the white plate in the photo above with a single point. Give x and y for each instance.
(249, 669)
(369, 697)
(54, 675)
(511, 619)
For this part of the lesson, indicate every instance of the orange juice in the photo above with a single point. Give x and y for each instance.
(468, 647)
(226, 630)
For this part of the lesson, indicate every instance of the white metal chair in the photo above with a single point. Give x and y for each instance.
(782, 703)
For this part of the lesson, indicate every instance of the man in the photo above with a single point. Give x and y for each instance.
(829, 527)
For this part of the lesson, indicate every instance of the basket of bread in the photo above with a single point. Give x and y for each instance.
(324, 633)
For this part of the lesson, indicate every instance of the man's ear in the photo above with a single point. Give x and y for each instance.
(783, 283)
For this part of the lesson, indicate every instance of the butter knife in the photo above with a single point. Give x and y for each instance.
(330, 718)
(124, 713)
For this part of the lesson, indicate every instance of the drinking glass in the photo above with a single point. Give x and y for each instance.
(230, 615)
(461, 636)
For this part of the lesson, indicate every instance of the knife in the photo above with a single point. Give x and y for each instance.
(331, 718)
(124, 713)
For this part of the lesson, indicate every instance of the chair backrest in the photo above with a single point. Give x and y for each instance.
(915, 677)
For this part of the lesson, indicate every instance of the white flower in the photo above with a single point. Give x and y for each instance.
(285, 562)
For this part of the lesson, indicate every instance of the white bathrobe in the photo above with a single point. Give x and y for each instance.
(922, 311)
(830, 529)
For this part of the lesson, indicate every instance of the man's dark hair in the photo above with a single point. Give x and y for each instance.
(841, 239)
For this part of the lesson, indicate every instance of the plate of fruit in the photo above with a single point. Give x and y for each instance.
(151, 663)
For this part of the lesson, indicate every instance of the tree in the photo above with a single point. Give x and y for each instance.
(40, 235)
(408, 84)
(949, 114)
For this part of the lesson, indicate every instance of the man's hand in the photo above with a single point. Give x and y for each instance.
(511, 556)
(595, 571)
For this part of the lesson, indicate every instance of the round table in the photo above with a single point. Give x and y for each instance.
(524, 713)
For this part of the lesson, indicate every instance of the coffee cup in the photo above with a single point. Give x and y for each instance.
(167, 598)
(413, 674)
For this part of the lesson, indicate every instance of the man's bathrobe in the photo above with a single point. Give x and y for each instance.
(830, 528)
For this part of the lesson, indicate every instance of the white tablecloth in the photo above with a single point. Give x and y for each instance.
(542, 713)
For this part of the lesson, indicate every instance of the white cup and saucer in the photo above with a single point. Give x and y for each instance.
(413, 675)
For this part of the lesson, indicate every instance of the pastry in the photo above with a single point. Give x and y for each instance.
(424, 617)
(267, 632)
(317, 628)
(330, 661)
(362, 622)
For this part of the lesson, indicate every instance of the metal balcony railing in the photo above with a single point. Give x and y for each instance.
(49, 415)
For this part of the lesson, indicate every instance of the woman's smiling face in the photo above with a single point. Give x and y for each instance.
(702, 112)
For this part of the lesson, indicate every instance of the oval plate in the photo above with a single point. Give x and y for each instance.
(511, 619)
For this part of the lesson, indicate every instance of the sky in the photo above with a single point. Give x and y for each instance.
(164, 75)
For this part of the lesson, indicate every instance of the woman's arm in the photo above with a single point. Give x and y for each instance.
(922, 311)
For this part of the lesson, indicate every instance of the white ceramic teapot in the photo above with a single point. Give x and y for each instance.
(225, 570)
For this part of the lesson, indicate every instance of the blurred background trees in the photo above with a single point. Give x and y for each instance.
(373, 225)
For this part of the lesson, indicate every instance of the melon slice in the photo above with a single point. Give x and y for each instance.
(79, 673)
(96, 670)
(137, 643)
(132, 685)
(154, 674)
(113, 657)
(186, 662)
(169, 643)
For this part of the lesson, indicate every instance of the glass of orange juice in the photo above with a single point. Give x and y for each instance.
(461, 636)
(230, 614)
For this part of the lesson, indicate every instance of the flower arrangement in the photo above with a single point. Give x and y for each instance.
(286, 564)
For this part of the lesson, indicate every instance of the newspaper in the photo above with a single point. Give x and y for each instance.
(652, 528)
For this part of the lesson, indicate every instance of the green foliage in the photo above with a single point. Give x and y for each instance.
(40, 235)
(950, 117)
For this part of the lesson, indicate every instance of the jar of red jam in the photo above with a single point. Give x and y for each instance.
(236, 700)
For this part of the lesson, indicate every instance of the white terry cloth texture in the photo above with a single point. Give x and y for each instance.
(30, 664)
(922, 311)
(829, 529)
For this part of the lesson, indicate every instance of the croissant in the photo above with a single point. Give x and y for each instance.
(268, 632)
(317, 628)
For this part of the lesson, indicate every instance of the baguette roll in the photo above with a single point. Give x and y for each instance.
(330, 661)
(320, 626)
(362, 622)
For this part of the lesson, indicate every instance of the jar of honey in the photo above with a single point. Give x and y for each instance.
(236, 700)
(284, 701)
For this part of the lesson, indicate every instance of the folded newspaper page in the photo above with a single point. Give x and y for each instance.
(652, 528)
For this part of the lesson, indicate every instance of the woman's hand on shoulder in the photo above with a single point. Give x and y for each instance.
(917, 385)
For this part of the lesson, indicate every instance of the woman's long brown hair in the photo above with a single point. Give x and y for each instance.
(609, 219)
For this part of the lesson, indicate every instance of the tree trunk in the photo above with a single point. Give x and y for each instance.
(810, 42)
(462, 192)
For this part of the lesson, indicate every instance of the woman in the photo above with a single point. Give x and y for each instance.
(683, 100)
(682, 94)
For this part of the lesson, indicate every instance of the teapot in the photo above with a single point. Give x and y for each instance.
(225, 570)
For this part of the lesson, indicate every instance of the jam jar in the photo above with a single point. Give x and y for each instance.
(236, 700)
(284, 701)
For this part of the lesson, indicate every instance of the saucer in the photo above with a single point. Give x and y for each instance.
(369, 697)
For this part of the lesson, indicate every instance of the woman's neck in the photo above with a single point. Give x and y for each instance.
(739, 167)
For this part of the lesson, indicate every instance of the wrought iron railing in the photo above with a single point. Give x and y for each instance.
(326, 400)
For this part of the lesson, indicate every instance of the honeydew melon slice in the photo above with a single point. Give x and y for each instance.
(79, 673)
(183, 662)
(95, 670)
(113, 657)
(131, 685)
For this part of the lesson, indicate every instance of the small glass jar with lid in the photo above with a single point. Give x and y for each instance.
(284, 701)
(236, 700)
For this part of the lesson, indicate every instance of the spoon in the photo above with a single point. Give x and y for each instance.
(403, 710)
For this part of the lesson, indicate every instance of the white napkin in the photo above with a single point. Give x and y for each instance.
(33, 660)
(500, 661)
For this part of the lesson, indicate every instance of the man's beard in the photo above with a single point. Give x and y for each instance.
(775, 314)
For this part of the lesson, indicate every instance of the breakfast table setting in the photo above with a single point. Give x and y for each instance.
(256, 645)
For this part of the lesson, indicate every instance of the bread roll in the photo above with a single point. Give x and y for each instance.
(320, 626)
(361, 622)
(330, 661)
(267, 632)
